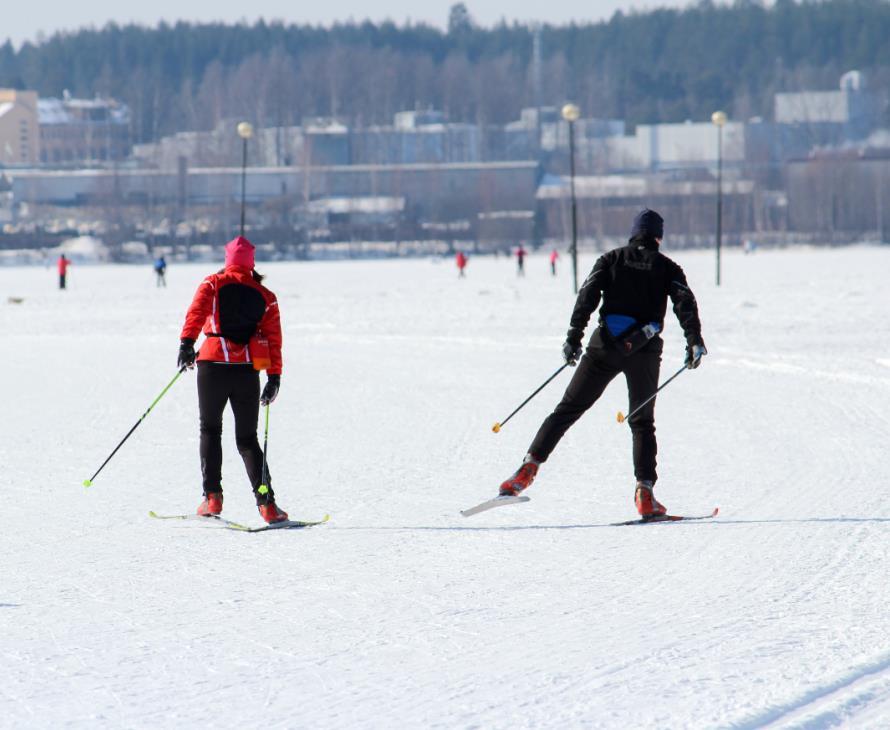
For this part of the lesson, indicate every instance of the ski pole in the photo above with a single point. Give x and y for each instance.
(622, 418)
(89, 482)
(264, 488)
(497, 427)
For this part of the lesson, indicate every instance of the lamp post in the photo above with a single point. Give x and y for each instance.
(719, 119)
(245, 131)
(570, 113)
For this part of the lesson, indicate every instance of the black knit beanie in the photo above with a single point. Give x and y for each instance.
(648, 223)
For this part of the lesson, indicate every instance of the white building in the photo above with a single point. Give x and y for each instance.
(667, 146)
(848, 113)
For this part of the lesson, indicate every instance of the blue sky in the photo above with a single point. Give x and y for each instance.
(48, 16)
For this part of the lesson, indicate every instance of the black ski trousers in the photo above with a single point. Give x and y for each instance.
(596, 370)
(239, 385)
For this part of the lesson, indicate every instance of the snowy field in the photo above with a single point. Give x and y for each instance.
(399, 612)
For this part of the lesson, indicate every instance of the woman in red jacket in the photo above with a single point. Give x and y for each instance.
(63, 265)
(240, 319)
(461, 261)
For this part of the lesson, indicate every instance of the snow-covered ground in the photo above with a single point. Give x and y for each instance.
(399, 612)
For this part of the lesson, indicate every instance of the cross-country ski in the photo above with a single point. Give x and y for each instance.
(217, 521)
(660, 519)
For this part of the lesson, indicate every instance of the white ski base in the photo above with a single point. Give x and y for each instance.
(492, 503)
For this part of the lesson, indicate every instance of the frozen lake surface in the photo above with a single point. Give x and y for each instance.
(399, 612)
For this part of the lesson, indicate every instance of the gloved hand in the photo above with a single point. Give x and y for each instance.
(571, 352)
(187, 355)
(273, 384)
(694, 355)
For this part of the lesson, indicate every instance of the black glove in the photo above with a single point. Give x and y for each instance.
(271, 390)
(571, 352)
(187, 356)
(694, 354)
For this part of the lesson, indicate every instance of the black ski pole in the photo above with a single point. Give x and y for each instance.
(622, 418)
(89, 482)
(497, 427)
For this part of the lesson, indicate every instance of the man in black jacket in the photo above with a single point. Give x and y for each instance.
(634, 283)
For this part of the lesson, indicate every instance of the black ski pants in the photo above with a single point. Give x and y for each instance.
(597, 368)
(239, 385)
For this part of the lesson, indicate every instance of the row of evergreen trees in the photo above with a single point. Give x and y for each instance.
(665, 65)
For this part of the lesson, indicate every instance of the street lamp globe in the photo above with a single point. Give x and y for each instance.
(570, 113)
(719, 118)
(245, 130)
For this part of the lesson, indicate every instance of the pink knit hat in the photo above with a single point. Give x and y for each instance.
(239, 252)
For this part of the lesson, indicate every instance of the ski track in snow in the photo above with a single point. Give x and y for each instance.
(400, 612)
(861, 696)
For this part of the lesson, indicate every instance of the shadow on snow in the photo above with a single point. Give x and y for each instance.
(699, 523)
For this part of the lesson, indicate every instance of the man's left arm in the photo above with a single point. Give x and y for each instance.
(686, 310)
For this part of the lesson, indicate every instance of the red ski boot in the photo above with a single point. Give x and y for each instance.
(212, 504)
(522, 479)
(270, 513)
(646, 503)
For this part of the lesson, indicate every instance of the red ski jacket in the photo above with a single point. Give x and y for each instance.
(231, 308)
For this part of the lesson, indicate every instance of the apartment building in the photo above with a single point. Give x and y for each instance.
(82, 131)
(19, 132)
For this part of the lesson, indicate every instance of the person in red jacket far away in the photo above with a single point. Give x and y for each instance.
(461, 261)
(554, 257)
(520, 261)
(63, 264)
(240, 319)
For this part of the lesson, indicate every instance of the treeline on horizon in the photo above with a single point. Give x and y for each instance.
(661, 66)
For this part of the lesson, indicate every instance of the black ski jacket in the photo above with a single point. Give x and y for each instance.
(636, 280)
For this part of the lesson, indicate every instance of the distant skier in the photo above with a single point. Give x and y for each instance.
(161, 271)
(520, 261)
(554, 257)
(240, 318)
(63, 264)
(461, 261)
(634, 283)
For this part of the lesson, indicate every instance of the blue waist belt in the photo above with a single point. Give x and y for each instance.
(618, 324)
